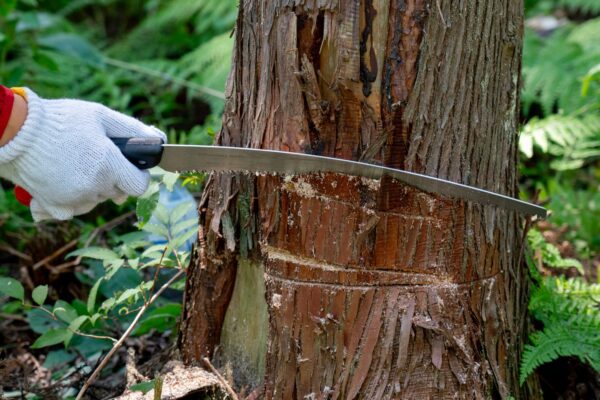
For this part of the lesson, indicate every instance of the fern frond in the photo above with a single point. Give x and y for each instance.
(568, 309)
(576, 338)
(548, 6)
(204, 19)
(553, 67)
(586, 6)
(574, 140)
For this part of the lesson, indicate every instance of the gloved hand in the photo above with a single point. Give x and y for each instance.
(63, 156)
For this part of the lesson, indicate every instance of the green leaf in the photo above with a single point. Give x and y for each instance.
(160, 230)
(180, 211)
(112, 267)
(45, 61)
(156, 251)
(58, 358)
(143, 387)
(108, 304)
(160, 319)
(169, 179)
(146, 204)
(162, 214)
(128, 294)
(593, 74)
(6, 6)
(77, 322)
(94, 318)
(75, 46)
(12, 287)
(97, 253)
(39, 294)
(41, 322)
(183, 225)
(51, 338)
(91, 301)
(64, 311)
(181, 239)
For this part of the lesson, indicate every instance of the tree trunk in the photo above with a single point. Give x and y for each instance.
(371, 289)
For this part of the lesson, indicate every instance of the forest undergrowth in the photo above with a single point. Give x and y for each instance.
(111, 282)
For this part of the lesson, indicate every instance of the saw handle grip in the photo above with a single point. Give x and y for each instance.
(144, 153)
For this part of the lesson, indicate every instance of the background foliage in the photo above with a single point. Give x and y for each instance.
(560, 147)
(69, 290)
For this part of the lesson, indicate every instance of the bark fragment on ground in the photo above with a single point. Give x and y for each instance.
(179, 382)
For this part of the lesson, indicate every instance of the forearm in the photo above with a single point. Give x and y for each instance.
(18, 114)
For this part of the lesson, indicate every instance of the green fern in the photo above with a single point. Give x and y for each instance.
(568, 309)
(573, 338)
(549, 253)
(553, 67)
(586, 6)
(548, 6)
(573, 140)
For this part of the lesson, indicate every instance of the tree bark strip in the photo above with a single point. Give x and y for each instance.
(374, 289)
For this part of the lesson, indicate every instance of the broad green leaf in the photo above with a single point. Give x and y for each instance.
(45, 61)
(12, 287)
(75, 46)
(162, 214)
(64, 311)
(134, 263)
(143, 387)
(77, 322)
(39, 294)
(146, 204)
(51, 338)
(28, 21)
(112, 267)
(161, 319)
(91, 301)
(593, 74)
(6, 6)
(41, 322)
(180, 240)
(180, 211)
(183, 225)
(126, 295)
(169, 179)
(135, 240)
(94, 318)
(156, 229)
(108, 304)
(97, 253)
(12, 307)
(58, 358)
(155, 251)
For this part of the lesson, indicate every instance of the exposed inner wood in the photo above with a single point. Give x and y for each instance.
(374, 289)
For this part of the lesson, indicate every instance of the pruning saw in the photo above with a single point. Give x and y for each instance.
(146, 153)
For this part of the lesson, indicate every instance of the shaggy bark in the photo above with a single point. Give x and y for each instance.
(373, 289)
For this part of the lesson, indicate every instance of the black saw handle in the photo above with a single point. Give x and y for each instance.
(144, 153)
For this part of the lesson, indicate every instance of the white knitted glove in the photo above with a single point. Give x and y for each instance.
(63, 156)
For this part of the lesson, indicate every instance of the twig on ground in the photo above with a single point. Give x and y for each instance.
(15, 252)
(221, 379)
(46, 260)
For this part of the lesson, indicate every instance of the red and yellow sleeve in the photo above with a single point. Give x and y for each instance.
(7, 100)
